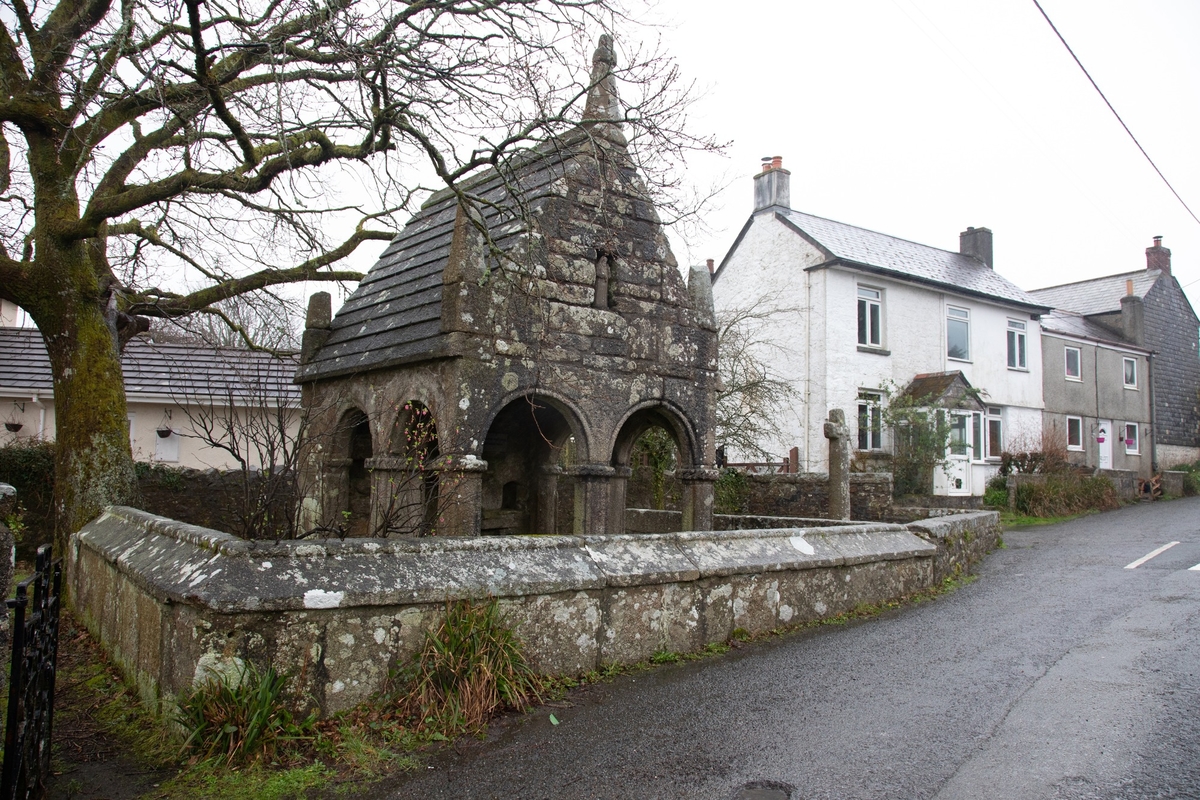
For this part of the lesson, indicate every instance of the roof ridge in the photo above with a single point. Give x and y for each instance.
(888, 235)
(1155, 272)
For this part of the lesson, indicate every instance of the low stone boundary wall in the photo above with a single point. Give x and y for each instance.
(172, 602)
(648, 520)
(806, 494)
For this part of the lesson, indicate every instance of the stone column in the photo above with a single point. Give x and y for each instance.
(698, 498)
(593, 498)
(547, 500)
(839, 464)
(617, 492)
(460, 495)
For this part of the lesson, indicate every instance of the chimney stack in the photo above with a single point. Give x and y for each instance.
(772, 185)
(1158, 257)
(977, 242)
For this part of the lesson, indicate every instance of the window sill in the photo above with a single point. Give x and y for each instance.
(1074, 449)
(879, 351)
(1018, 369)
(1074, 380)
(959, 360)
(1132, 388)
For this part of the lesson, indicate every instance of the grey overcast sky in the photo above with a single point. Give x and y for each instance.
(918, 118)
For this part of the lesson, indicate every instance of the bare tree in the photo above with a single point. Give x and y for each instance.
(754, 396)
(160, 157)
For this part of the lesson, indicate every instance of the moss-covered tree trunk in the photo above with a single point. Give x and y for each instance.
(66, 291)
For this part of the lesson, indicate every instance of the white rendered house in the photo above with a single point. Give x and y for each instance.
(860, 313)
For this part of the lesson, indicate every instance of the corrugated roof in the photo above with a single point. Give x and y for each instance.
(1098, 295)
(169, 370)
(395, 313)
(1069, 323)
(900, 257)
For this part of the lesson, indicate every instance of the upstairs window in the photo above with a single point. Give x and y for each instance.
(870, 317)
(1016, 344)
(958, 333)
(1130, 373)
(1074, 364)
(870, 421)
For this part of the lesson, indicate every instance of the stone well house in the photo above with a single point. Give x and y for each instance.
(1148, 309)
(1096, 385)
(856, 314)
(492, 372)
(172, 390)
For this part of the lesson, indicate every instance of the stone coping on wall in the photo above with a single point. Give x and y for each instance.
(178, 563)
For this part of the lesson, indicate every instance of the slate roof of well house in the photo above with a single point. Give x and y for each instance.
(890, 255)
(394, 315)
(1069, 323)
(1098, 295)
(151, 368)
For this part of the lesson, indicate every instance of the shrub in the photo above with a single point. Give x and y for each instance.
(731, 492)
(28, 464)
(469, 668)
(1062, 494)
(242, 720)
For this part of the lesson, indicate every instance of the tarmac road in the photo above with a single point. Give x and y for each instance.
(1059, 674)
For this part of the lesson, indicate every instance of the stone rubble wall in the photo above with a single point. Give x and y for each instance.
(173, 603)
(806, 494)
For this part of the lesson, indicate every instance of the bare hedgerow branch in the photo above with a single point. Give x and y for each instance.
(754, 395)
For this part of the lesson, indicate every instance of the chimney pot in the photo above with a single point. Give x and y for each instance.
(776, 162)
(710, 266)
(1129, 286)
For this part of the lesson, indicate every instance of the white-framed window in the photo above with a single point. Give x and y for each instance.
(958, 434)
(870, 420)
(1130, 370)
(1074, 363)
(958, 333)
(1016, 344)
(1132, 442)
(870, 317)
(977, 452)
(1075, 433)
(995, 431)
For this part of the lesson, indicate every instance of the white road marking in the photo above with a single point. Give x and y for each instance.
(1150, 555)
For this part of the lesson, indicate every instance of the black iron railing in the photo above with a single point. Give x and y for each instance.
(31, 681)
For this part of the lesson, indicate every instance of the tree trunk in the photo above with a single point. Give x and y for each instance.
(93, 460)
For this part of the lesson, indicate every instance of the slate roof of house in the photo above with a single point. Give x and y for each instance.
(1098, 295)
(172, 371)
(394, 315)
(940, 387)
(890, 255)
(1070, 323)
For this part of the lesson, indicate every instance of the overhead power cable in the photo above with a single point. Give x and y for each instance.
(1113, 110)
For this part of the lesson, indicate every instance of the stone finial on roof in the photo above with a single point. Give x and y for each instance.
(603, 109)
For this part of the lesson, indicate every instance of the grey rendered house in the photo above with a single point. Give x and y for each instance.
(1096, 387)
(1148, 309)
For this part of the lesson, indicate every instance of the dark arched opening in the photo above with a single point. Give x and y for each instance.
(527, 447)
(406, 481)
(651, 451)
(356, 504)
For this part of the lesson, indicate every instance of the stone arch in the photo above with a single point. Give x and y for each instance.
(695, 485)
(405, 480)
(350, 472)
(532, 441)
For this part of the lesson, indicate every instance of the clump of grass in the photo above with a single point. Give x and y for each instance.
(1064, 494)
(470, 668)
(240, 720)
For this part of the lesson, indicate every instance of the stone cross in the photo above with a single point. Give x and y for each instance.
(839, 464)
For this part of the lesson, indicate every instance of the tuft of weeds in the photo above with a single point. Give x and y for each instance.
(470, 668)
(237, 721)
(212, 780)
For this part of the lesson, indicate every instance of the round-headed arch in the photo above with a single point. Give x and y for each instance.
(655, 414)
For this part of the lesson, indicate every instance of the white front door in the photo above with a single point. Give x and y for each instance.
(1104, 439)
(958, 471)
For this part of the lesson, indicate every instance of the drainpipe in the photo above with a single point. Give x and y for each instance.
(1153, 423)
(41, 429)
